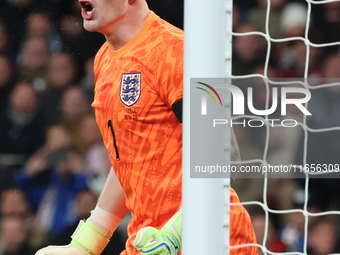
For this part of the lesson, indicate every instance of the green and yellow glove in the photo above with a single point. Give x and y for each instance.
(87, 239)
(167, 241)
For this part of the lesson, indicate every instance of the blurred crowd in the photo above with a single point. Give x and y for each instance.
(53, 163)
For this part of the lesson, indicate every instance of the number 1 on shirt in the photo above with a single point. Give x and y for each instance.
(109, 125)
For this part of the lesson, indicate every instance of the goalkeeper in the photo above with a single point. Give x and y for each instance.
(138, 105)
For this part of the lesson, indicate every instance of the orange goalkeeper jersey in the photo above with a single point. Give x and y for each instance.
(136, 87)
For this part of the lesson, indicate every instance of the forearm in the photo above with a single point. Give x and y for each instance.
(104, 219)
(112, 197)
(111, 208)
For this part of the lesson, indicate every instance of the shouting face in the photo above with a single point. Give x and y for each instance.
(102, 15)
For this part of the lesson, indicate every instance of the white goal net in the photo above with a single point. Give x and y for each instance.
(280, 45)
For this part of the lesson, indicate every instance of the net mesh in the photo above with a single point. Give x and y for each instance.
(303, 123)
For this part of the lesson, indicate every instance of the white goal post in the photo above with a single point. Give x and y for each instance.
(204, 57)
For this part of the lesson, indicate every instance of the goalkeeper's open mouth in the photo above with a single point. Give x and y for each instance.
(87, 9)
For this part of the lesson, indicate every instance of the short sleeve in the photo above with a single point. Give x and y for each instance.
(170, 73)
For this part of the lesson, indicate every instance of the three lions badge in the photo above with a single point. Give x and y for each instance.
(130, 88)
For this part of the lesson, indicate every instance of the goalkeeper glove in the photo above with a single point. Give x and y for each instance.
(166, 241)
(87, 239)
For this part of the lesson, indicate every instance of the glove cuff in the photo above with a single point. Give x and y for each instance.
(174, 227)
(89, 238)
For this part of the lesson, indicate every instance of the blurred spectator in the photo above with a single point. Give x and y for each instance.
(57, 138)
(273, 243)
(260, 88)
(332, 10)
(5, 47)
(257, 17)
(293, 19)
(282, 149)
(14, 13)
(32, 62)
(97, 157)
(6, 80)
(86, 201)
(331, 70)
(324, 147)
(89, 42)
(325, 100)
(237, 21)
(70, 28)
(14, 203)
(51, 179)
(40, 23)
(292, 234)
(170, 10)
(328, 23)
(283, 141)
(14, 236)
(21, 129)
(73, 37)
(62, 72)
(323, 238)
(292, 59)
(55, 200)
(74, 105)
(293, 53)
(87, 82)
(279, 195)
(249, 51)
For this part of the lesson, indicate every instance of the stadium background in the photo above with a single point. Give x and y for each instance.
(52, 160)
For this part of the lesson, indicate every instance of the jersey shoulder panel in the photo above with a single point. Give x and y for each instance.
(169, 74)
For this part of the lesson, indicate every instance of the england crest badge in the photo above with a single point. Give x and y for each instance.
(130, 88)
